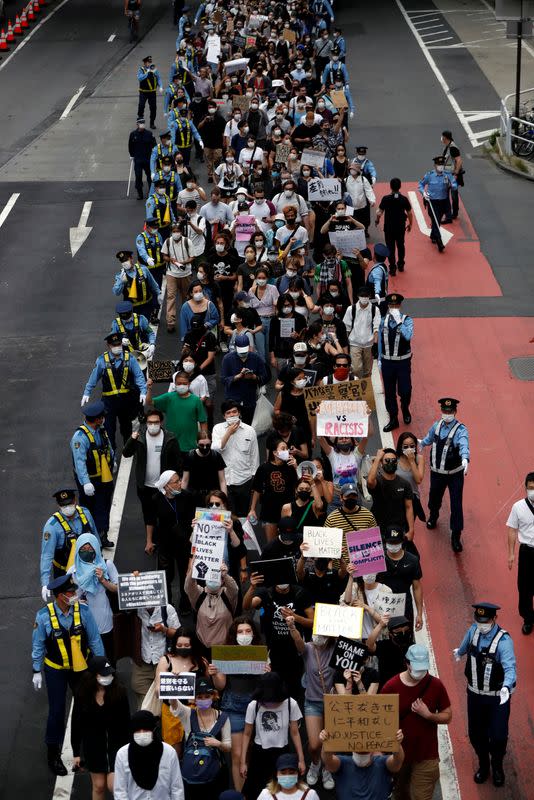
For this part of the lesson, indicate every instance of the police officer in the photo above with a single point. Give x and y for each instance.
(158, 207)
(183, 131)
(435, 186)
(173, 184)
(140, 146)
(171, 92)
(367, 167)
(60, 533)
(123, 386)
(92, 457)
(395, 358)
(149, 82)
(449, 462)
(65, 634)
(137, 285)
(378, 277)
(134, 329)
(490, 670)
(149, 244)
(165, 148)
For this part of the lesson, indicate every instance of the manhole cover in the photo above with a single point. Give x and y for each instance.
(523, 368)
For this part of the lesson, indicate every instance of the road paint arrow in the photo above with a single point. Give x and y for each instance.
(79, 235)
(446, 235)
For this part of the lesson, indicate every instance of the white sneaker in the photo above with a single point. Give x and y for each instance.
(312, 775)
(328, 781)
(224, 347)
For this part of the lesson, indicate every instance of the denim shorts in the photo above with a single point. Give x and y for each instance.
(235, 705)
(313, 708)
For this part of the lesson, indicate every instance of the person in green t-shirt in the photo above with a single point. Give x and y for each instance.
(184, 412)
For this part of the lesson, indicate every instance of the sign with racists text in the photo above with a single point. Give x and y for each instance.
(342, 418)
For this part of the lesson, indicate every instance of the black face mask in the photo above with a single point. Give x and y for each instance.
(345, 448)
(321, 564)
(303, 495)
(350, 503)
(389, 466)
(402, 639)
(204, 448)
(184, 652)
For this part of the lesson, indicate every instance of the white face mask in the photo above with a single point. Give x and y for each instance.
(161, 191)
(417, 674)
(116, 351)
(282, 586)
(361, 759)
(181, 389)
(190, 184)
(439, 169)
(261, 281)
(153, 428)
(68, 511)
(219, 248)
(288, 192)
(299, 360)
(364, 302)
(294, 295)
(244, 639)
(328, 310)
(408, 450)
(393, 548)
(530, 494)
(371, 578)
(104, 680)
(447, 417)
(484, 627)
(177, 237)
(143, 738)
(283, 455)
(232, 420)
(188, 366)
(301, 383)
(198, 296)
(287, 310)
(200, 276)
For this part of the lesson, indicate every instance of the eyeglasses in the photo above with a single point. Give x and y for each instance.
(389, 460)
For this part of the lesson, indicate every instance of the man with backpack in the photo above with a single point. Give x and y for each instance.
(362, 320)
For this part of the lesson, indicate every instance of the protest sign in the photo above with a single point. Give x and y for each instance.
(239, 659)
(250, 539)
(213, 514)
(245, 226)
(390, 603)
(366, 552)
(320, 189)
(287, 327)
(323, 542)
(209, 538)
(235, 65)
(347, 241)
(311, 376)
(348, 390)
(161, 371)
(348, 654)
(331, 620)
(289, 35)
(312, 158)
(339, 99)
(255, 21)
(275, 570)
(177, 687)
(342, 418)
(145, 590)
(241, 102)
(216, 17)
(250, 41)
(361, 723)
(282, 153)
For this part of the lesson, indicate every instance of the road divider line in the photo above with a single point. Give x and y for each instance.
(113, 35)
(7, 208)
(72, 101)
(25, 41)
(418, 213)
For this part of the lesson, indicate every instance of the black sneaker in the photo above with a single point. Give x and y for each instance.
(498, 776)
(431, 523)
(393, 270)
(56, 765)
(456, 544)
(400, 267)
(407, 417)
(392, 425)
(106, 543)
(481, 775)
(441, 246)
(527, 628)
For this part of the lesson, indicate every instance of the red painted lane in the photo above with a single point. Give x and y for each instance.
(461, 271)
(468, 358)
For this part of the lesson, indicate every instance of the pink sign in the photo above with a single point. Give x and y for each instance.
(245, 227)
(366, 551)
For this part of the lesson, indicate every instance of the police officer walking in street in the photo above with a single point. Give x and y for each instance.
(140, 146)
(449, 462)
(149, 244)
(60, 533)
(149, 82)
(395, 359)
(490, 670)
(435, 187)
(137, 285)
(65, 634)
(92, 457)
(134, 328)
(378, 277)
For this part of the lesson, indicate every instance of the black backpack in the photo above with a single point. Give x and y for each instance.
(201, 763)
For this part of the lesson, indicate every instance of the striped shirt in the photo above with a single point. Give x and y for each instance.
(350, 521)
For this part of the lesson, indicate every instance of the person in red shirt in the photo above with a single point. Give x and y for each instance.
(423, 705)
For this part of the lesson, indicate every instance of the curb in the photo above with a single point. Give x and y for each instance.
(506, 167)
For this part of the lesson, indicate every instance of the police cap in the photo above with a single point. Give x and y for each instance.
(152, 222)
(140, 120)
(438, 160)
(124, 307)
(165, 135)
(394, 298)
(124, 255)
(64, 496)
(381, 251)
(94, 410)
(62, 584)
(167, 160)
(485, 611)
(113, 338)
(147, 58)
(448, 403)
(361, 149)
(159, 184)
(335, 51)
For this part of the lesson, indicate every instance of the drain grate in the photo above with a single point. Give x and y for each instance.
(523, 368)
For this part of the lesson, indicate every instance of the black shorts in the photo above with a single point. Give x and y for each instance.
(148, 506)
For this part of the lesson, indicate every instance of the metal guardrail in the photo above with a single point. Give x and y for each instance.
(513, 129)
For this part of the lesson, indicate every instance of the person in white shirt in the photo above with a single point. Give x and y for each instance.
(362, 195)
(194, 227)
(177, 252)
(362, 321)
(289, 197)
(520, 526)
(231, 128)
(157, 625)
(250, 153)
(238, 444)
(147, 768)
(262, 209)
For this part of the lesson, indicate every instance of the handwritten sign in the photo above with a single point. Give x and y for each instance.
(239, 659)
(366, 552)
(146, 590)
(339, 99)
(287, 327)
(347, 241)
(348, 654)
(289, 35)
(177, 687)
(245, 227)
(312, 158)
(359, 389)
(241, 102)
(282, 153)
(323, 542)
(208, 549)
(342, 418)
(235, 65)
(331, 620)
(390, 603)
(255, 21)
(250, 41)
(162, 371)
(361, 723)
(324, 189)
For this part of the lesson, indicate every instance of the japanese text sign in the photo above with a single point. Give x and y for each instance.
(177, 687)
(348, 390)
(145, 590)
(361, 723)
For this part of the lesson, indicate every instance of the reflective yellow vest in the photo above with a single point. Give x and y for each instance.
(109, 385)
(95, 469)
(154, 249)
(184, 136)
(136, 332)
(63, 655)
(64, 556)
(141, 287)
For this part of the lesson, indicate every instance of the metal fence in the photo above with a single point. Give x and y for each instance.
(517, 133)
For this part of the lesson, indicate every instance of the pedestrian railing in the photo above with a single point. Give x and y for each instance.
(517, 133)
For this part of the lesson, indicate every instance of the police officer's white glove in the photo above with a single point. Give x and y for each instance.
(45, 594)
(150, 262)
(504, 694)
(351, 115)
(37, 680)
(142, 399)
(89, 489)
(465, 465)
(85, 400)
(378, 298)
(160, 90)
(124, 277)
(150, 350)
(160, 297)
(455, 654)
(201, 145)
(426, 195)
(125, 342)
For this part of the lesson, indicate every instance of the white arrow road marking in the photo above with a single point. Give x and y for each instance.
(446, 235)
(78, 235)
(7, 208)
(71, 103)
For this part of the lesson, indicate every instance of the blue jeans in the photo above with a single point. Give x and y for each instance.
(262, 338)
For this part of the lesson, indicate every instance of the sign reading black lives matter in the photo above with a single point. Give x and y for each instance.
(145, 590)
(348, 654)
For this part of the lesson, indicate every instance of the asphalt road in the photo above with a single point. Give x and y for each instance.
(56, 309)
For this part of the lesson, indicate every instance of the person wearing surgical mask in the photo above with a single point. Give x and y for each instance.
(242, 373)
(185, 412)
(263, 297)
(290, 400)
(364, 592)
(215, 603)
(403, 573)
(100, 723)
(198, 304)
(395, 360)
(147, 766)
(345, 455)
(362, 321)
(423, 705)
(436, 186)
(347, 513)
(285, 328)
(392, 495)
(368, 775)
(288, 783)
(274, 485)
(520, 528)
(203, 469)
(411, 467)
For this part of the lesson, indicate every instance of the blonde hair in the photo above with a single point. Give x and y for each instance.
(274, 787)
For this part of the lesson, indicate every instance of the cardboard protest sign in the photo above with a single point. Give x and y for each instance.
(250, 539)
(339, 99)
(323, 542)
(390, 603)
(347, 241)
(348, 654)
(282, 153)
(312, 158)
(366, 551)
(361, 723)
(145, 590)
(289, 35)
(287, 327)
(342, 418)
(348, 390)
(320, 189)
(209, 538)
(235, 65)
(161, 371)
(217, 17)
(331, 620)
(241, 102)
(177, 687)
(239, 659)
(275, 571)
